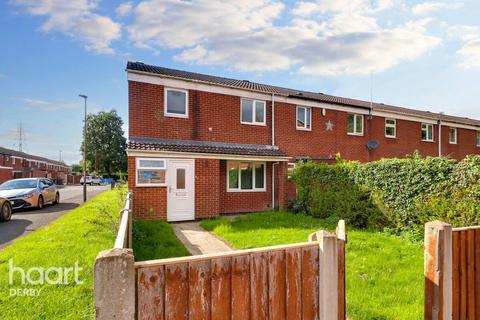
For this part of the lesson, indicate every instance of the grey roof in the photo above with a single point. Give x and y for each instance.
(294, 93)
(153, 144)
(15, 153)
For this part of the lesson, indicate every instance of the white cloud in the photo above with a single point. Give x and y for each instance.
(36, 102)
(50, 106)
(76, 19)
(469, 53)
(124, 9)
(430, 6)
(325, 37)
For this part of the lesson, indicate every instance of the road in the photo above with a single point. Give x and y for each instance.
(28, 220)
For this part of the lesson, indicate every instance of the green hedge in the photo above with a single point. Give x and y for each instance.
(401, 194)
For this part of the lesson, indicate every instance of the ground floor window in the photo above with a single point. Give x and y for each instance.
(151, 172)
(245, 176)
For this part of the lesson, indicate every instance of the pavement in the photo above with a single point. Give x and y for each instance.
(26, 221)
(197, 240)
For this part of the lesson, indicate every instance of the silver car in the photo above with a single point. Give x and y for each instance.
(30, 192)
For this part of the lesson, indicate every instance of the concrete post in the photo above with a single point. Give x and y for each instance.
(438, 271)
(114, 285)
(328, 277)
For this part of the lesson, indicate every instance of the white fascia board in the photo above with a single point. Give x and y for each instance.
(9, 168)
(191, 155)
(459, 125)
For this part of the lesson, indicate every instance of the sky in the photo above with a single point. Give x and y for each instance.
(418, 54)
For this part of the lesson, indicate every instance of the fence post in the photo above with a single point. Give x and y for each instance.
(438, 271)
(341, 241)
(328, 275)
(114, 285)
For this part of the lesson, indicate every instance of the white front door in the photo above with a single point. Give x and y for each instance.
(181, 190)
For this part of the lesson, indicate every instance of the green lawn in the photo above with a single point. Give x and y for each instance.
(75, 237)
(153, 239)
(384, 273)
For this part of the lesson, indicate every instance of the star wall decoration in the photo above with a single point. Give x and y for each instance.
(329, 125)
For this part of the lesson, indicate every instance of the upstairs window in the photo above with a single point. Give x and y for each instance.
(427, 132)
(151, 172)
(478, 138)
(355, 124)
(176, 103)
(245, 176)
(453, 136)
(390, 128)
(252, 112)
(304, 118)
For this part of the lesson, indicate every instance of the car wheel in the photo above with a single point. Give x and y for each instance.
(57, 198)
(40, 202)
(6, 212)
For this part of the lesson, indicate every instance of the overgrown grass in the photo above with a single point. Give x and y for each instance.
(77, 236)
(153, 239)
(384, 273)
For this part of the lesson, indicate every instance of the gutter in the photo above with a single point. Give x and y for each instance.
(439, 138)
(273, 184)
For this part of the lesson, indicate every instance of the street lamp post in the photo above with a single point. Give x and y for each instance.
(84, 150)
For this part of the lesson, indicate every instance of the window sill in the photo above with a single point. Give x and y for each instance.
(150, 185)
(431, 141)
(243, 191)
(259, 124)
(173, 115)
(454, 143)
(355, 134)
(303, 129)
(391, 137)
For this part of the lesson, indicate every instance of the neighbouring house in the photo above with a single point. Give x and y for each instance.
(201, 145)
(15, 164)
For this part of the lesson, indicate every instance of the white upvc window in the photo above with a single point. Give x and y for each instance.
(246, 176)
(176, 103)
(355, 124)
(390, 128)
(478, 138)
(453, 135)
(252, 112)
(304, 118)
(427, 132)
(151, 172)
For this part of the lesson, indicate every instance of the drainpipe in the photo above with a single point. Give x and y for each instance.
(273, 119)
(439, 138)
(273, 184)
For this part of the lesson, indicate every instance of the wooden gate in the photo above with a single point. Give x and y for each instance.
(295, 281)
(452, 272)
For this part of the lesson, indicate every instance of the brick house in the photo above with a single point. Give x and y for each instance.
(16, 164)
(201, 145)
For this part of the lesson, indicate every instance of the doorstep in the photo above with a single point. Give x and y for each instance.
(197, 240)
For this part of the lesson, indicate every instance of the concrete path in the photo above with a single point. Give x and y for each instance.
(25, 221)
(197, 240)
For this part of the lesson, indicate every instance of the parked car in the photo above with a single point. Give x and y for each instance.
(5, 210)
(91, 180)
(30, 192)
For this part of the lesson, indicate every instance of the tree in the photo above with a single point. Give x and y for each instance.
(106, 145)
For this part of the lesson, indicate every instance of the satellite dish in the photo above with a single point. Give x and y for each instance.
(373, 144)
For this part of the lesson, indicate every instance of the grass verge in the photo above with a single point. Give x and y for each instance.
(153, 239)
(384, 273)
(76, 237)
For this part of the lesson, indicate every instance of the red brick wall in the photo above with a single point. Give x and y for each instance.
(207, 188)
(5, 174)
(216, 117)
(240, 202)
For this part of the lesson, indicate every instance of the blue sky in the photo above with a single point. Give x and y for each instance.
(421, 54)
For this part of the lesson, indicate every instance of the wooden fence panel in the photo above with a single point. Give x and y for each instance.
(274, 283)
(456, 275)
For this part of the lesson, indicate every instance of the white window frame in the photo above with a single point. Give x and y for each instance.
(478, 138)
(137, 167)
(296, 118)
(450, 135)
(254, 189)
(175, 115)
(388, 125)
(254, 107)
(425, 126)
(355, 133)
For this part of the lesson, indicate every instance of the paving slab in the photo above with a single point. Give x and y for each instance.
(197, 240)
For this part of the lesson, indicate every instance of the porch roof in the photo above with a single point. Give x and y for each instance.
(203, 147)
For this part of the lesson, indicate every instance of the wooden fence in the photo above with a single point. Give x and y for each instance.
(294, 281)
(452, 272)
(124, 235)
